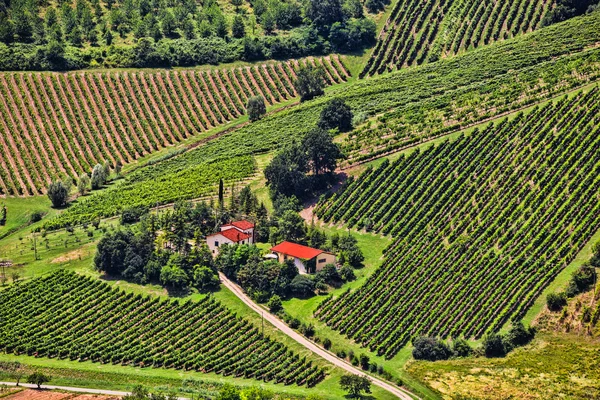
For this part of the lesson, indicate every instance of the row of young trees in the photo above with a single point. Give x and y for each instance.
(59, 191)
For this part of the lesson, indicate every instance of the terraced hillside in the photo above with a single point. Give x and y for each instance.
(480, 225)
(420, 31)
(63, 124)
(65, 315)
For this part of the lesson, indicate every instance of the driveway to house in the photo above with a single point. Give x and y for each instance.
(327, 355)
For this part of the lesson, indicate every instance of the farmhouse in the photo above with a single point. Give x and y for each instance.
(237, 232)
(306, 259)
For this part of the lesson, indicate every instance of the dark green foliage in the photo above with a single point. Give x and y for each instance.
(556, 301)
(519, 335)
(256, 108)
(302, 286)
(274, 304)
(336, 115)
(461, 348)
(349, 252)
(133, 215)
(581, 281)
(38, 379)
(595, 261)
(58, 194)
(321, 151)
(355, 384)
(431, 349)
(323, 13)
(238, 29)
(285, 174)
(494, 346)
(205, 278)
(353, 34)
(347, 273)
(566, 9)
(3, 215)
(309, 82)
(329, 274)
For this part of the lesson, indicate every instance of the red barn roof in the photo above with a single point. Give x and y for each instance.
(243, 224)
(232, 234)
(296, 250)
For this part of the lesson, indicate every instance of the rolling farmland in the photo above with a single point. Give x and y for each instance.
(68, 316)
(481, 226)
(423, 31)
(63, 124)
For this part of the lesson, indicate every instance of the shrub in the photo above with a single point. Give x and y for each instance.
(461, 348)
(556, 301)
(256, 108)
(519, 335)
(327, 343)
(274, 304)
(431, 349)
(58, 194)
(493, 345)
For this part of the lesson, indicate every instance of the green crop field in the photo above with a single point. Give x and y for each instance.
(480, 225)
(48, 317)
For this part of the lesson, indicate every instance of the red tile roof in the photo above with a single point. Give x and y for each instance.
(296, 250)
(232, 234)
(243, 224)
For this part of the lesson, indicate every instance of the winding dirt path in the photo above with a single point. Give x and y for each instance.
(327, 355)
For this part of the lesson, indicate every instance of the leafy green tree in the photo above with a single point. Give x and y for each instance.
(220, 26)
(38, 378)
(254, 393)
(355, 384)
(461, 348)
(173, 276)
(349, 251)
(581, 280)
(228, 392)
(268, 22)
(83, 183)
(7, 29)
(336, 115)
(323, 13)
(3, 215)
(256, 108)
(519, 335)
(347, 273)
(238, 29)
(431, 349)
(302, 286)
(205, 29)
(98, 177)
(291, 227)
(168, 24)
(556, 301)
(310, 82)
(58, 194)
(23, 26)
(205, 278)
(494, 345)
(274, 304)
(286, 173)
(322, 152)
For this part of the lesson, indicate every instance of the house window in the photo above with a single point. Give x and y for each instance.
(216, 243)
(322, 260)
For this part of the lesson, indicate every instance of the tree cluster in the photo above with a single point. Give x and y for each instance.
(582, 280)
(75, 34)
(494, 344)
(305, 166)
(566, 9)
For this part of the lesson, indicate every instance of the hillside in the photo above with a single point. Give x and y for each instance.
(119, 117)
(480, 225)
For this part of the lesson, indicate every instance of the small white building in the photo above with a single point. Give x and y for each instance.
(238, 232)
(306, 259)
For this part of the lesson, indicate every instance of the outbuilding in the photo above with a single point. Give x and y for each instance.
(227, 236)
(306, 259)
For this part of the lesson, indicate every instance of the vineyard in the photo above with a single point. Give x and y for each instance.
(63, 124)
(481, 226)
(156, 189)
(422, 31)
(67, 316)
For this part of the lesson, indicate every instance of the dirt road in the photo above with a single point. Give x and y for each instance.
(327, 355)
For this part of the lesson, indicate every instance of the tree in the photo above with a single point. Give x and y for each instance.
(256, 108)
(37, 378)
(347, 273)
(323, 13)
(286, 173)
(336, 115)
(83, 184)
(254, 393)
(581, 280)
(7, 29)
(98, 177)
(349, 251)
(310, 82)
(58, 194)
(173, 276)
(291, 227)
(238, 30)
(556, 301)
(205, 278)
(168, 24)
(302, 286)
(228, 392)
(430, 349)
(3, 215)
(14, 369)
(274, 304)
(221, 193)
(493, 345)
(461, 348)
(355, 384)
(118, 168)
(519, 335)
(322, 152)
